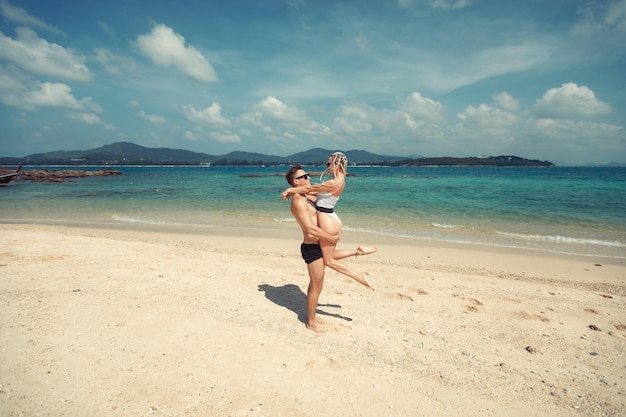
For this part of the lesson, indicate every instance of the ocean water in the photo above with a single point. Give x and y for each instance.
(572, 210)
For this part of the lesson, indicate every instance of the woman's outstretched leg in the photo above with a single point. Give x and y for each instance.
(328, 251)
(360, 251)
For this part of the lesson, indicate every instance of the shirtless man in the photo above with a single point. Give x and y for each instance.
(303, 209)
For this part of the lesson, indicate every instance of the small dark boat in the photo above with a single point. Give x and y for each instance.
(7, 175)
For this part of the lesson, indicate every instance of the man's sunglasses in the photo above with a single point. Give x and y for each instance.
(305, 176)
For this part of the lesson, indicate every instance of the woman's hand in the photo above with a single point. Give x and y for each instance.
(287, 194)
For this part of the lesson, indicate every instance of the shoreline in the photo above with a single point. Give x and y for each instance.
(415, 253)
(281, 229)
(111, 321)
(484, 208)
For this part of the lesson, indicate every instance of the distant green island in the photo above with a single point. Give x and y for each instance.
(125, 154)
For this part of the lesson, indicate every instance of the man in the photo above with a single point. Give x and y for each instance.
(303, 209)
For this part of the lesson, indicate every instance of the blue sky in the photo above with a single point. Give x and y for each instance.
(540, 79)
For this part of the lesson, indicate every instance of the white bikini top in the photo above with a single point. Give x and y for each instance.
(326, 200)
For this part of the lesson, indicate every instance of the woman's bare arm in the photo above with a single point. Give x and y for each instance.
(313, 189)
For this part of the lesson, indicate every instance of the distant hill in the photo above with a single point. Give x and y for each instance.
(496, 161)
(126, 153)
(247, 158)
(119, 153)
(320, 156)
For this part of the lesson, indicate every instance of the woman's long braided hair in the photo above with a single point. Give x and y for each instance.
(339, 160)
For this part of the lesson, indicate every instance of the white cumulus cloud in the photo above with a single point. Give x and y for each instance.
(38, 56)
(151, 117)
(353, 119)
(167, 48)
(506, 101)
(52, 95)
(570, 101)
(487, 116)
(422, 108)
(16, 93)
(485, 129)
(275, 109)
(88, 118)
(415, 113)
(211, 115)
(272, 110)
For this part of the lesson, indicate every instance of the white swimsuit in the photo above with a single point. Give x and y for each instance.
(325, 203)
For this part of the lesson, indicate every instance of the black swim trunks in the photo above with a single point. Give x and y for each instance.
(311, 252)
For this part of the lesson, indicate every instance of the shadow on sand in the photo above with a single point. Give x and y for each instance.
(292, 298)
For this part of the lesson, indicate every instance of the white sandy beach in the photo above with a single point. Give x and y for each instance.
(135, 323)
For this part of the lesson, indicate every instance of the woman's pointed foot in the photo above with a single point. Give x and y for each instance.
(366, 250)
(365, 283)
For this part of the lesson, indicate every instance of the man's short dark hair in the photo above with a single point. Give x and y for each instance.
(292, 171)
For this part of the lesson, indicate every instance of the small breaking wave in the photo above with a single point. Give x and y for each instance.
(565, 239)
(445, 226)
(284, 219)
(147, 220)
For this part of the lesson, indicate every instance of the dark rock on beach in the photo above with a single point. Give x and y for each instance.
(45, 175)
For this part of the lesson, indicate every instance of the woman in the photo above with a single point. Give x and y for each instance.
(327, 194)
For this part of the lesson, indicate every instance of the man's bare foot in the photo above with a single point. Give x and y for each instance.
(366, 250)
(315, 327)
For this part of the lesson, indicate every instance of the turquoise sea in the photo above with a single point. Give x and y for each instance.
(573, 210)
